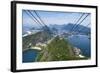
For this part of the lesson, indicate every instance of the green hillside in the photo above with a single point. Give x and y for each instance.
(57, 50)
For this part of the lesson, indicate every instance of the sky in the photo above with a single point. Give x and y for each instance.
(51, 17)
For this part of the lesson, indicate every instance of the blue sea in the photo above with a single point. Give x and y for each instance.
(29, 55)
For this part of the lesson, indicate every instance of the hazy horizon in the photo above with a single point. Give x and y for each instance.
(51, 18)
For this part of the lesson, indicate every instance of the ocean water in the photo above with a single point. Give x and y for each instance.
(83, 42)
(29, 55)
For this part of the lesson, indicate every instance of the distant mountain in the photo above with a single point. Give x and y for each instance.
(78, 28)
(54, 28)
(69, 27)
(25, 29)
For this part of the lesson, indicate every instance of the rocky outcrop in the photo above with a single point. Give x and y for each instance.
(77, 51)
